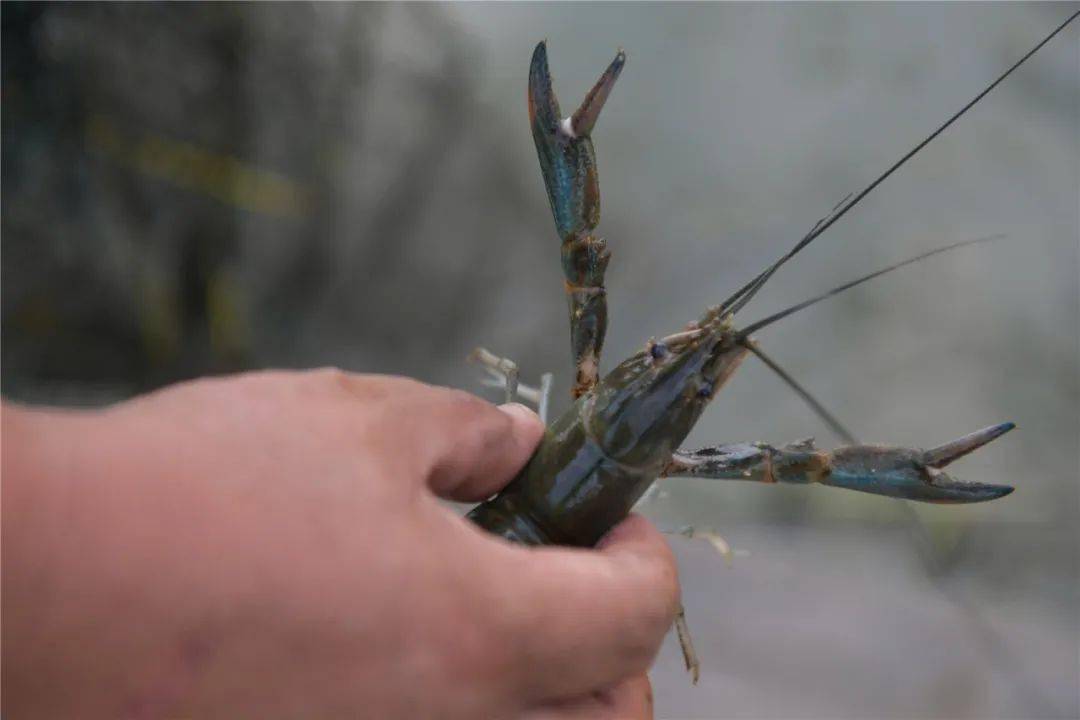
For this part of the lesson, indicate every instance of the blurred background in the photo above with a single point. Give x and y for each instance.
(194, 189)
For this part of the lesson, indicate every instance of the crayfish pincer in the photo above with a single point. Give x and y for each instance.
(624, 431)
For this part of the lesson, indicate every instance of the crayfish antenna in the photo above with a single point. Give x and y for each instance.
(744, 294)
(765, 322)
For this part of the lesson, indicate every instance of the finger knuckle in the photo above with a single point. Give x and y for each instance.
(484, 423)
(362, 386)
(467, 404)
(249, 378)
(332, 378)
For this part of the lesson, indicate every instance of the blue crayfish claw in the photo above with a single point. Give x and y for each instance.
(568, 163)
(567, 158)
(915, 474)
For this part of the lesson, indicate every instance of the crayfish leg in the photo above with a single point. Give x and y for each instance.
(568, 163)
(585, 258)
(687, 645)
(503, 374)
(900, 472)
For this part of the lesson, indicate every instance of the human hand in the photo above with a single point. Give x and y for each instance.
(273, 544)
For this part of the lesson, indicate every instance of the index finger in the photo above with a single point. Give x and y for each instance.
(576, 619)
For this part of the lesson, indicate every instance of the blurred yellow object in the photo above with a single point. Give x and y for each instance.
(222, 177)
(159, 318)
(229, 337)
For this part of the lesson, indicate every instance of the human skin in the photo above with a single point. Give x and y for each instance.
(273, 545)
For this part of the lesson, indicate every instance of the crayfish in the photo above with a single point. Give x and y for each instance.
(624, 431)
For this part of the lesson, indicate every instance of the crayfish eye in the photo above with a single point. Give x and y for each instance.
(706, 389)
(658, 350)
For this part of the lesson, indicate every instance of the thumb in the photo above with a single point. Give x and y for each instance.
(482, 448)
